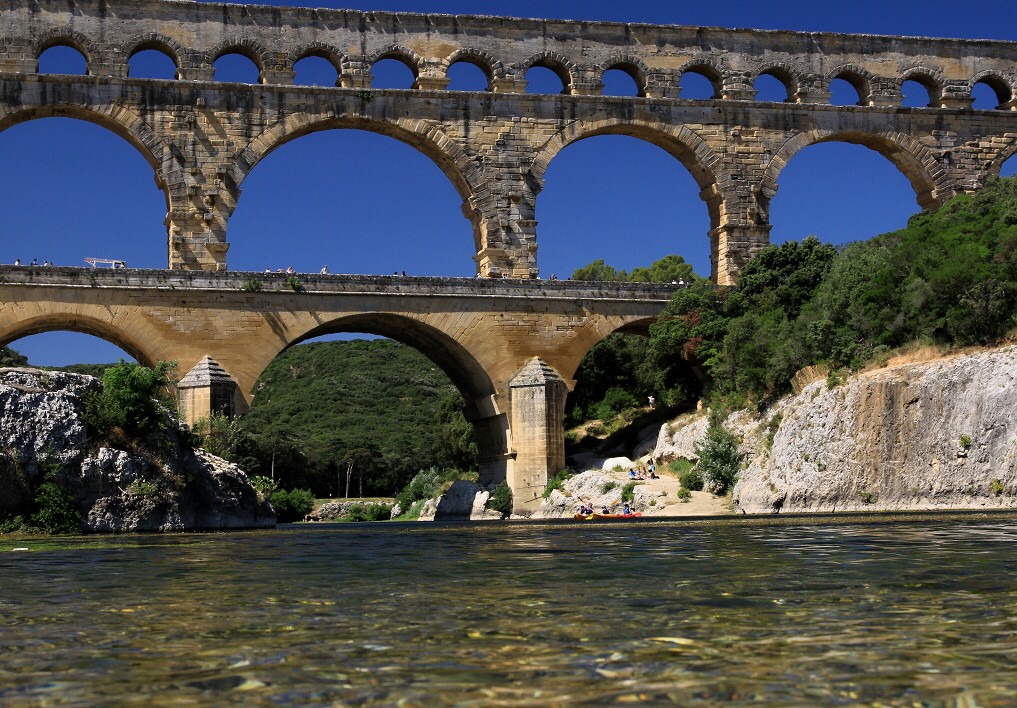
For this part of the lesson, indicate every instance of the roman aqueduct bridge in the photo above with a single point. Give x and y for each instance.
(511, 346)
(202, 138)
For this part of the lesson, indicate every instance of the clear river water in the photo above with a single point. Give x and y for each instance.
(875, 611)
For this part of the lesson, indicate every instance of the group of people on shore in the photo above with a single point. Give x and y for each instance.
(648, 472)
(35, 262)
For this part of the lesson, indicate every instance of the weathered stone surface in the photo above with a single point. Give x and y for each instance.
(41, 430)
(340, 509)
(622, 463)
(203, 138)
(589, 487)
(891, 439)
(462, 501)
(678, 439)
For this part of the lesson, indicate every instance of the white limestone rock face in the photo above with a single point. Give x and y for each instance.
(41, 431)
(935, 435)
(622, 463)
(589, 487)
(462, 501)
(680, 437)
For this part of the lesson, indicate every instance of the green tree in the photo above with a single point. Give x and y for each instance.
(719, 459)
(669, 269)
(9, 357)
(133, 399)
(600, 272)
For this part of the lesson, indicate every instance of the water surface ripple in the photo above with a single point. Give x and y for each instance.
(860, 612)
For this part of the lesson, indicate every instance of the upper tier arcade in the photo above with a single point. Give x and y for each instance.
(203, 138)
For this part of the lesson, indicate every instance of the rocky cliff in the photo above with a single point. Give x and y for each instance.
(935, 435)
(42, 437)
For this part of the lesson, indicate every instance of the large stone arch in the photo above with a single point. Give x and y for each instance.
(915, 161)
(97, 322)
(116, 118)
(679, 141)
(429, 139)
(993, 166)
(467, 373)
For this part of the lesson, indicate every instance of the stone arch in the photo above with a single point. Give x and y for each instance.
(707, 67)
(406, 56)
(98, 324)
(785, 73)
(244, 47)
(484, 61)
(995, 80)
(467, 373)
(633, 66)
(158, 42)
(328, 52)
(682, 143)
(118, 119)
(930, 78)
(429, 139)
(860, 79)
(561, 65)
(993, 166)
(913, 159)
(66, 38)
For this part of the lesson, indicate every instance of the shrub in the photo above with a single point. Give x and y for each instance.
(501, 499)
(264, 486)
(131, 399)
(368, 512)
(771, 429)
(607, 486)
(220, 435)
(627, 493)
(719, 459)
(426, 484)
(614, 402)
(17, 524)
(56, 511)
(692, 480)
(680, 466)
(142, 488)
(556, 481)
(251, 285)
(965, 442)
(996, 487)
(293, 505)
(684, 495)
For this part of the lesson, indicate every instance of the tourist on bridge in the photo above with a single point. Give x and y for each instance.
(17, 261)
(324, 270)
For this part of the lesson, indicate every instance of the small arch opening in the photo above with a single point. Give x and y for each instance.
(392, 73)
(466, 75)
(771, 88)
(695, 84)
(152, 64)
(845, 92)
(542, 78)
(63, 59)
(990, 93)
(315, 70)
(620, 81)
(915, 94)
(236, 68)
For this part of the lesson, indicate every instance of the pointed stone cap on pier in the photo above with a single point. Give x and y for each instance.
(206, 372)
(535, 373)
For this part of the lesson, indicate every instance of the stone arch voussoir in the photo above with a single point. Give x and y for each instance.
(68, 38)
(640, 73)
(153, 40)
(487, 61)
(859, 77)
(914, 160)
(254, 51)
(684, 144)
(330, 53)
(413, 61)
(132, 335)
(792, 76)
(555, 61)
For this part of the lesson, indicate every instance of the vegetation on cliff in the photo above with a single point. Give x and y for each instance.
(949, 278)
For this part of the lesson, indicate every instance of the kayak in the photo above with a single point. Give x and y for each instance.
(591, 517)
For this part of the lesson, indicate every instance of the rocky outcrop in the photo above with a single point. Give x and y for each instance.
(600, 491)
(935, 435)
(42, 435)
(678, 439)
(331, 510)
(462, 501)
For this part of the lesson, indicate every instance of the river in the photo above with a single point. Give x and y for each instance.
(897, 611)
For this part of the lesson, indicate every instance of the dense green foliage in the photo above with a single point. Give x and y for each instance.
(428, 484)
(377, 408)
(368, 512)
(132, 399)
(56, 510)
(293, 505)
(620, 372)
(719, 459)
(501, 499)
(9, 357)
(557, 481)
(948, 278)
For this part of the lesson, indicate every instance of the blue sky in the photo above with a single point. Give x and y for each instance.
(362, 203)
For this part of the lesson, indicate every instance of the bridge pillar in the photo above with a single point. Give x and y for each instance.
(537, 397)
(208, 389)
(731, 247)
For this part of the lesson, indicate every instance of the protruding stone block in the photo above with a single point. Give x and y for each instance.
(537, 397)
(206, 389)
